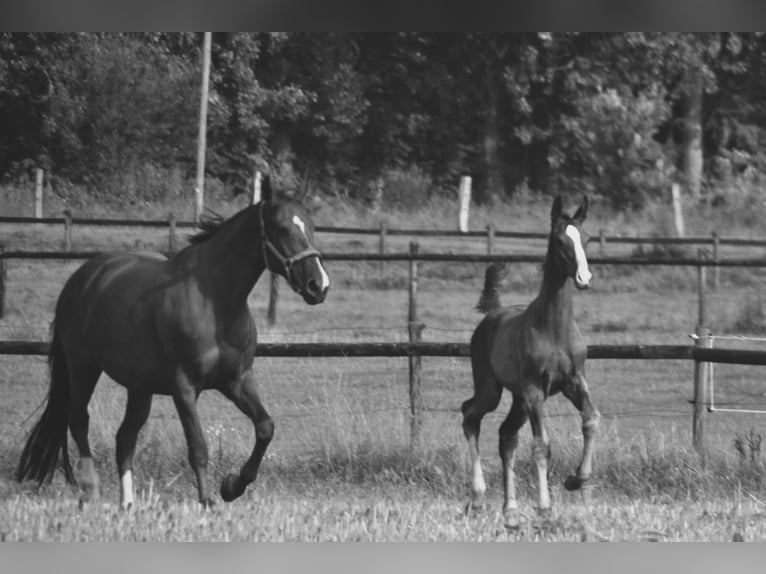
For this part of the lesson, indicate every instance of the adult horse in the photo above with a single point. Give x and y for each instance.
(534, 354)
(171, 326)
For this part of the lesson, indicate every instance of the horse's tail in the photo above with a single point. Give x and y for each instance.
(49, 436)
(490, 297)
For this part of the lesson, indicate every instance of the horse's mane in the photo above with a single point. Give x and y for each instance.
(210, 223)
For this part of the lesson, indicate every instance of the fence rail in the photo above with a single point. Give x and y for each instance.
(700, 353)
(713, 239)
(427, 349)
(447, 257)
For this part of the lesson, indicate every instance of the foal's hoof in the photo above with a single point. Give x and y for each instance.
(229, 489)
(473, 507)
(573, 482)
(207, 503)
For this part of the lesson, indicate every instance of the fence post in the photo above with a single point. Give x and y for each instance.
(273, 298)
(701, 400)
(67, 230)
(172, 232)
(39, 193)
(2, 280)
(490, 238)
(464, 199)
(716, 269)
(382, 245)
(702, 298)
(415, 331)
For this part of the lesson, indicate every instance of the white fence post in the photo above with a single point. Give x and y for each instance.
(464, 195)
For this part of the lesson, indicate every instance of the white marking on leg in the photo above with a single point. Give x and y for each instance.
(126, 490)
(479, 486)
(583, 276)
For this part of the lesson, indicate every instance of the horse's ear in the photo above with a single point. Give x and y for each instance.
(267, 194)
(556, 209)
(582, 211)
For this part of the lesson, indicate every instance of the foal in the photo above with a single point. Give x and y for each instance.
(534, 353)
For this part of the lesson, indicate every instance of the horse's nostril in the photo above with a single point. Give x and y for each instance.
(313, 286)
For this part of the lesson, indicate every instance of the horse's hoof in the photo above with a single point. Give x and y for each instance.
(229, 489)
(207, 503)
(88, 496)
(573, 482)
(513, 519)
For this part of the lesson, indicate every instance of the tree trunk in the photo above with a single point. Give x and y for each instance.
(690, 140)
(491, 144)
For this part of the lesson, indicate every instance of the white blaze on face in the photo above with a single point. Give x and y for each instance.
(583, 276)
(299, 222)
(325, 278)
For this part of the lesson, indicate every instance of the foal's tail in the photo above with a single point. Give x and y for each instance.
(490, 297)
(49, 436)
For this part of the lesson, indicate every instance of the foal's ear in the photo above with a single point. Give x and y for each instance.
(267, 194)
(556, 209)
(582, 211)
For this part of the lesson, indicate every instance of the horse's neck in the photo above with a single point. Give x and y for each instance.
(234, 257)
(555, 309)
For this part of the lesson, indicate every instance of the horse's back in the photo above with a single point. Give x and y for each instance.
(106, 311)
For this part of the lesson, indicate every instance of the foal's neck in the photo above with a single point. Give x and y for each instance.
(555, 306)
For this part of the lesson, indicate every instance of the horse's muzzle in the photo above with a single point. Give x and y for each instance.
(313, 293)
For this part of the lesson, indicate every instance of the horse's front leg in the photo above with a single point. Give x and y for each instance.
(580, 397)
(245, 395)
(185, 399)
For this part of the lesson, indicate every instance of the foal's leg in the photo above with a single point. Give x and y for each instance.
(541, 449)
(136, 413)
(244, 394)
(185, 399)
(82, 381)
(580, 397)
(487, 393)
(509, 440)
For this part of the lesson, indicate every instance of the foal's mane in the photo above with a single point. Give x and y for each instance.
(210, 223)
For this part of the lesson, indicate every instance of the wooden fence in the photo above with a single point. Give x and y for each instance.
(415, 348)
(700, 353)
(714, 241)
(702, 262)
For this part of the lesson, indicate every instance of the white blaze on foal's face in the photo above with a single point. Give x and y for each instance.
(583, 275)
(325, 278)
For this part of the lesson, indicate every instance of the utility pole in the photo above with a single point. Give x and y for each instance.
(199, 189)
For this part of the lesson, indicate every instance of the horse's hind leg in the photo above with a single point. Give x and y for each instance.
(509, 440)
(487, 393)
(244, 394)
(83, 378)
(580, 397)
(136, 413)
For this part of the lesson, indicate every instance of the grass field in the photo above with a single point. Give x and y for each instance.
(340, 467)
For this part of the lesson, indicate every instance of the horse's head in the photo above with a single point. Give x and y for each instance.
(568, 239)
(287, 232)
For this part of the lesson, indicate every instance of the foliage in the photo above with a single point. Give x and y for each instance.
(613, 114)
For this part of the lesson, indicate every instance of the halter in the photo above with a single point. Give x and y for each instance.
(287, 262)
